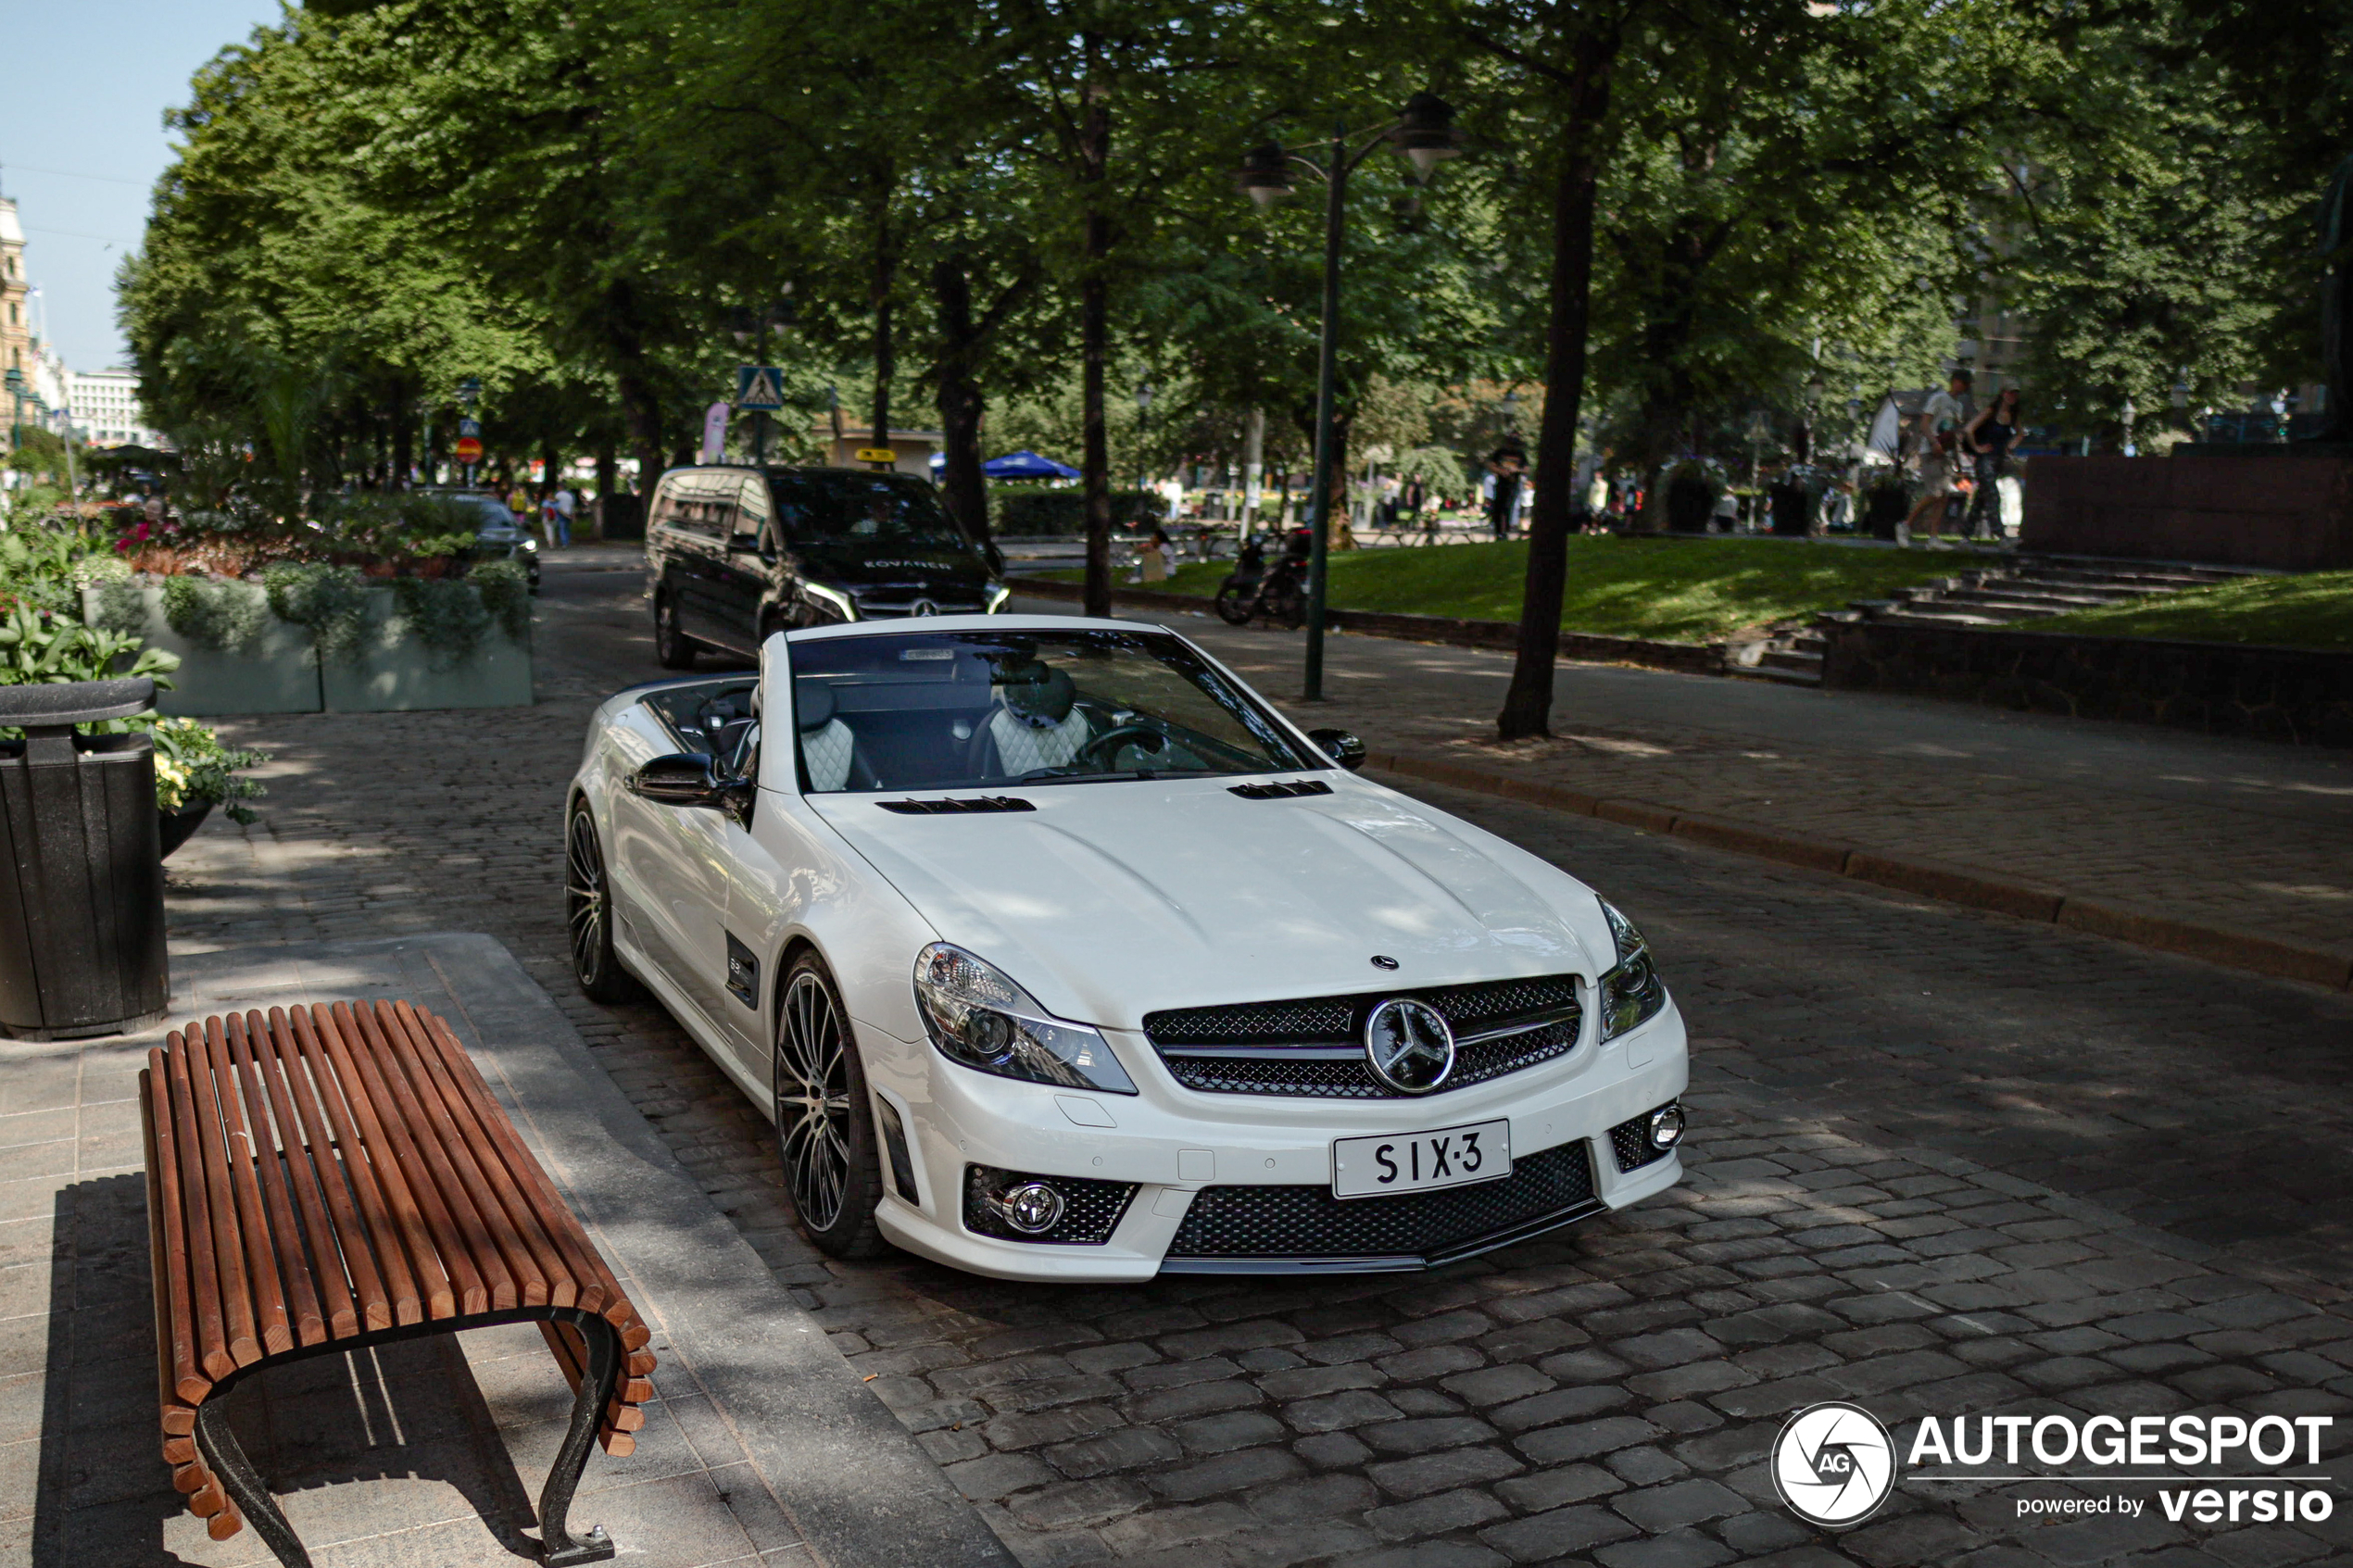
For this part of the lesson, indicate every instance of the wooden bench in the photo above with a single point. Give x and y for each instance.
(322, 1181)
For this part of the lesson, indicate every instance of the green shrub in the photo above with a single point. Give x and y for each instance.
(1025, 510)
(191, 766)
(227, 617)
(331, 600)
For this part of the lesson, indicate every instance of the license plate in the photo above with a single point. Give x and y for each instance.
(1451, 1156)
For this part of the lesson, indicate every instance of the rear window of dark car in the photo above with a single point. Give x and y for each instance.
(863, 509)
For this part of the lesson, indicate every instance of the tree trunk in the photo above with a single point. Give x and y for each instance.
(1528, 706)
(959, 399)
(886, 359)
(1094, 331)
(403, 451)
(642, 412)
(607, 479)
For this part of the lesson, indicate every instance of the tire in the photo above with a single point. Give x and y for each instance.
(824, 1116)
(1233, 606)
(588, 916)
(673, 648)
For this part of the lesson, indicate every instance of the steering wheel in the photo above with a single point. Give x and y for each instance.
(1104, 748)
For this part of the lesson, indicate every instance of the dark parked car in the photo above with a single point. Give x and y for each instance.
(735, 553)
(496, 535)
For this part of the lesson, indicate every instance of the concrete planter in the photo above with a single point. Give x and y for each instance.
(277, 674)
(281, 671)
(396, 674)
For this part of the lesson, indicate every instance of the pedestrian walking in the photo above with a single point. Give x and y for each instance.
(1506, 470)
(1943, 462)
(557, 517)
(1990, 436)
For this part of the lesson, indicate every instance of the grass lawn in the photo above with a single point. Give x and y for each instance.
(2311, 610)
(1674, 590)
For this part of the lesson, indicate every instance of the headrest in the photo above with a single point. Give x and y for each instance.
(813, 704)
(1038, 694)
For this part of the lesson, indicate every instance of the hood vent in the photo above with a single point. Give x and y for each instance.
(1285, 790)
(954, 806)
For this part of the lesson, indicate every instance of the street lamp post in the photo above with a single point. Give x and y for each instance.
(15, 381)
(1424, 133)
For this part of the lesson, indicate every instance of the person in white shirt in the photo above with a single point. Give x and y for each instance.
(1942, 463)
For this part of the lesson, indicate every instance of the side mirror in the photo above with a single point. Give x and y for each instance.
(685, 778)
(1338, 745)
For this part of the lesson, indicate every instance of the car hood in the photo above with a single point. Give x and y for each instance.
(857, 566)
(1113, 899)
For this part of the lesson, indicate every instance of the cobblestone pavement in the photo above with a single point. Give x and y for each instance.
(2246, 835)
(1943, 1163)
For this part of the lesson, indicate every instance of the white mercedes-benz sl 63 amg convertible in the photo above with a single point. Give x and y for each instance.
(1056, 953)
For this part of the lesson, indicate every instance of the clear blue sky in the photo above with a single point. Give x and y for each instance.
(82, 139)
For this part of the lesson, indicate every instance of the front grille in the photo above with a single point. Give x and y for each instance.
(1631, 1141)
(1554, 1185)
(1090, 1209)
(902, 601)
(1187, 1038)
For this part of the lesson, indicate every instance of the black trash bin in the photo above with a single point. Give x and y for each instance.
(81, 938)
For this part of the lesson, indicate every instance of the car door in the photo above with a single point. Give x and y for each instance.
(739, 582)
(707, 516)
(673, 861)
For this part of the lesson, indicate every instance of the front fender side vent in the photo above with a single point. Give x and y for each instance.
(1283, 789)
(954, 806)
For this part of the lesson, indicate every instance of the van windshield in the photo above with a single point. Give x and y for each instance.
(860, 510)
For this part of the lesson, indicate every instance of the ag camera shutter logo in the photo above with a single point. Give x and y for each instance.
(1833, 1464)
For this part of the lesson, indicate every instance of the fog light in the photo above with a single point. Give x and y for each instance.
(1032, 1208)
(1666, 1126)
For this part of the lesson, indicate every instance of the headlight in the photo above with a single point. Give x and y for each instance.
(983, 1020)
(1632, 993)
(531, 545)
(833, 596)
(997, 593)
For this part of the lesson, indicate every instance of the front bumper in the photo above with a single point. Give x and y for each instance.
(1175, 1144)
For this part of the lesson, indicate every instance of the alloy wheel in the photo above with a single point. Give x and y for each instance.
(585, 898)
(812, 1100)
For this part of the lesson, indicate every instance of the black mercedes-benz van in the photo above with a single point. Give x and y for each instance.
(735, 553)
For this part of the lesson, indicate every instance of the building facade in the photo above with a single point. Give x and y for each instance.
(16, 303)
(106, 409)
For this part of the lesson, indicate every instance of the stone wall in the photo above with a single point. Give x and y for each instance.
(2282, 507)
(2297, 695)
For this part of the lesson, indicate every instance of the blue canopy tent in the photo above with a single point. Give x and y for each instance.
(1016, 465)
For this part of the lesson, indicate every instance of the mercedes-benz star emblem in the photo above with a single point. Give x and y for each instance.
(923, 606)
(1408, 1046)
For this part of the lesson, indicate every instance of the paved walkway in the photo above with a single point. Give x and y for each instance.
(2243, 835)
(1942, 1161)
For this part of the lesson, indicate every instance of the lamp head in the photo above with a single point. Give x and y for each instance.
(1425, 134)
(1264, 176)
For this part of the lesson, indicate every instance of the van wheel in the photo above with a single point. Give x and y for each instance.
(673, 648)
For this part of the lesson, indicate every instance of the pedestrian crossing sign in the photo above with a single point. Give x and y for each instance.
(760, 387)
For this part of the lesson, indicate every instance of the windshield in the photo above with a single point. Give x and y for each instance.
(983, 709)
(862, 509)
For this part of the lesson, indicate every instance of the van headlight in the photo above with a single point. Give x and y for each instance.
(1632, 993)
(981, 1020)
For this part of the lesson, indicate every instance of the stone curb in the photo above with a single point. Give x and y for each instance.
(1925, 878)
(1691, 658)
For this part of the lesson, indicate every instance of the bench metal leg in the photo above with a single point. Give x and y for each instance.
(559, 1547)
(243, 1484)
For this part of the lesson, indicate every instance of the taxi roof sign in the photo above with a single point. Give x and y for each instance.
(877, 453)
